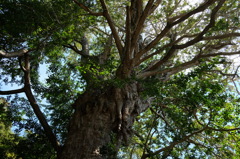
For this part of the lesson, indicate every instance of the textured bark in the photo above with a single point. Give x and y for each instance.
(97, 115)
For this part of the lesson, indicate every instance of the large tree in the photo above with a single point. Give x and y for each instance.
(130, 78)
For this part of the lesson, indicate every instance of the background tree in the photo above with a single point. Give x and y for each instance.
(156, 70)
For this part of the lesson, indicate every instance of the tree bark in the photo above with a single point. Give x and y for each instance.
(98, 114)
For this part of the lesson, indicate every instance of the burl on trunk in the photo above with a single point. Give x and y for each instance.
(97, 115)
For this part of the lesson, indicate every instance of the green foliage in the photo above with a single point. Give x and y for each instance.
(183, 106)
(6, 136)
(31, 144)
(192, 105)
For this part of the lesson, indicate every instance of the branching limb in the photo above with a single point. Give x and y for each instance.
(236, 87)
(183, 66)
(210, 25)
(217, 37)
(112, 27)
(35, 106)
(21, 90)
(202, 145)
(85, 47)
(18, 53)
(172, 70)
(27, 90)
(155, 5)
(198, 38)
(74, 48)
(128, 29)
(169, 45)
(140, 22)
(178, 20)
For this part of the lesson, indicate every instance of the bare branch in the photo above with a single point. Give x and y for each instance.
(21, 90)
(74, 48)
(13, 54)
(87, 9)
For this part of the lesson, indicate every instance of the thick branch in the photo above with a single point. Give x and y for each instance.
(128, 34)
(85, 47)
(155, 5)
(171, 71)
(169, 45)
(36, 108)
(112, 27)
(154, 42)
(181, 67)
(21, 90)
(140, 23)
(74, 48)
(13, 54)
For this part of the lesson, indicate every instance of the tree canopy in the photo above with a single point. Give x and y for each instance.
(161, 75)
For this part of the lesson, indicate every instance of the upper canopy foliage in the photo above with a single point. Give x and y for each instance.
(181, 53)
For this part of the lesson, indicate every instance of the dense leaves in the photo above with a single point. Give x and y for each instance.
(181, 55)
(190, 111)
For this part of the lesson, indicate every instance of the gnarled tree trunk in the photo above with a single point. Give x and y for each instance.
(97, 115)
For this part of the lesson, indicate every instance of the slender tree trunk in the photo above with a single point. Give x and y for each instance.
(97, 115)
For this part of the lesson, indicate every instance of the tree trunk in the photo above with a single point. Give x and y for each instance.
(97, 115)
